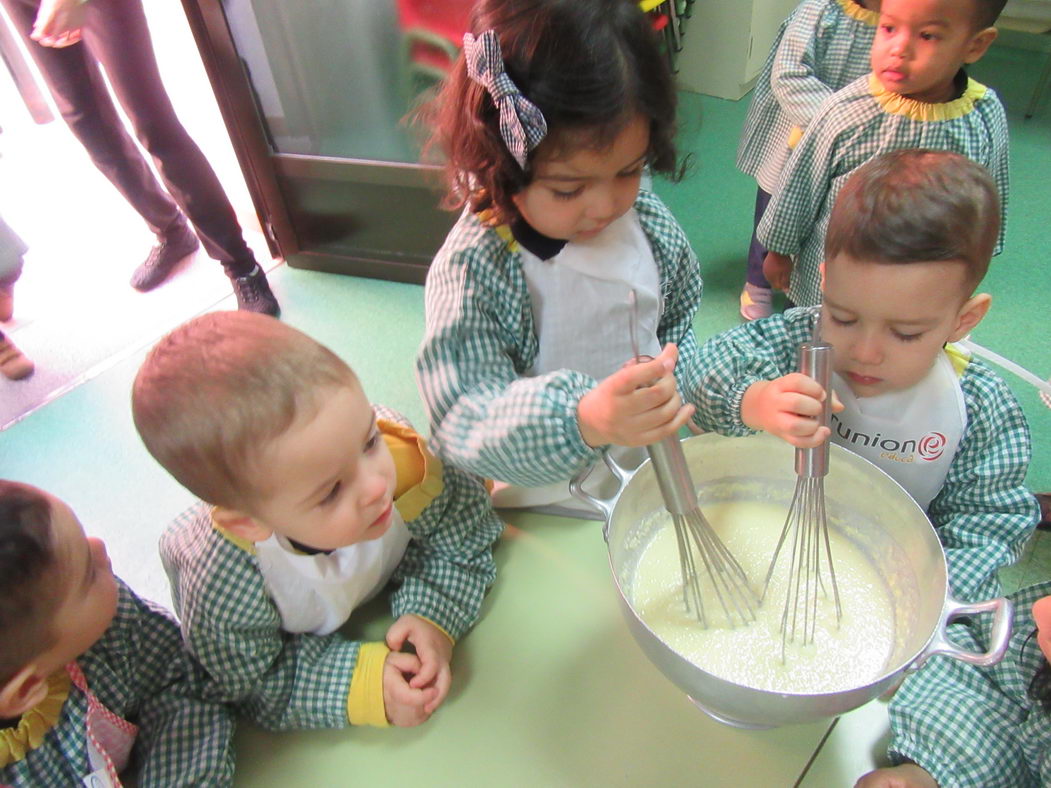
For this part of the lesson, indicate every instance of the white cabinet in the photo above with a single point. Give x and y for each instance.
(726, 44)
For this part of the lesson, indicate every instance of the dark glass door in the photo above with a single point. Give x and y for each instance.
(315, 96)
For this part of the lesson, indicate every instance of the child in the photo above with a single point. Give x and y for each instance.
(91, 674)
(908, 241)
(312, 500)
(955, 724)
(917, 96)
(547, 122)
(823, 46)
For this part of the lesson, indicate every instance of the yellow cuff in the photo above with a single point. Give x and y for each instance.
(437, 626)
(794, 137)
(365, 699)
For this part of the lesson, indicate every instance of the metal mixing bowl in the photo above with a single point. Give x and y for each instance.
(864, 504)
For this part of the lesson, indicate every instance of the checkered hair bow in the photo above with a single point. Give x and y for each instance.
(522, 124)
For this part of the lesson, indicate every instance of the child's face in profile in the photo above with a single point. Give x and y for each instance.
(575, 196)
(920, 45)
(328, 480)
(88, 599)
(889, 321)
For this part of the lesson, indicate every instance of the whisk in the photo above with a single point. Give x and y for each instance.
(807, 523)
(694, 534)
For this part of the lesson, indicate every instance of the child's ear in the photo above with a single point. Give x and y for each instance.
(970, 315)
(821, 268)
(240, 524)
(980, 44)
(23, 691)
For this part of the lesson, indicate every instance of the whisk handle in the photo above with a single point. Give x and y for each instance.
(815, 361)
(673, 475)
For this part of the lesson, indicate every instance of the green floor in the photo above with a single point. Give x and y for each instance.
(83, 447)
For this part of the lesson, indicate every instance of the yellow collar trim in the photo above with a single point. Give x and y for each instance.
(958, 357)
(488, 219)
(859, 12)
(17, 742)
(426, 486)
(897, 104)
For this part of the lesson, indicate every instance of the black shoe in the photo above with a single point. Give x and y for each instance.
(163, 258)
(253, 293)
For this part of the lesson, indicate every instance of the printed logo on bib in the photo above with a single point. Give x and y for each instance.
(931, 446)
(928, 446)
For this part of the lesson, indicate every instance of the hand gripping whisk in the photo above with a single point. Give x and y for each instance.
(695, 536)
(806, 522)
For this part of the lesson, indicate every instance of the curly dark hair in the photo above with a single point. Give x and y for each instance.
(27, 559)
(590, 66)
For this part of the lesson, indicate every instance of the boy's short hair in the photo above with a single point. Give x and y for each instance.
(212, 393)
(911, 206)
(986, 12)
(28, 592)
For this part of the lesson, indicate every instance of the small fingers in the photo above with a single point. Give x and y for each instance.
(429, 667)
(441, 688)
(404, 663)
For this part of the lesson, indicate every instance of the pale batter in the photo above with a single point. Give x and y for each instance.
(841, 657)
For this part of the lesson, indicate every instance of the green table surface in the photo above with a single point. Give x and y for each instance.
(549, 689)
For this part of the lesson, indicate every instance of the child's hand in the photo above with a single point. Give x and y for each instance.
(908, 775)
(635, 406)
(777, 268)
(434, 650)
(58, 23)
(404, 705)
(788, 407)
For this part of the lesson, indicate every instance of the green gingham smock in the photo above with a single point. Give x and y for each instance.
(486, 415)
(983, 515)
(854, 125)
(287, 681)
(970, 726)
(139, 670)
(822, 46)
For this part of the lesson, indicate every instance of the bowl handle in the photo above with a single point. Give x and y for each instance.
(1003, 612)
(603, 506)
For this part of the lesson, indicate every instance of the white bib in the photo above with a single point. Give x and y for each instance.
(580, 313)
(317, 593)
(580, 300)
(912, 435)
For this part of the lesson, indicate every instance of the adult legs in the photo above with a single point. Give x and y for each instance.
(117, 36)
(80, 93)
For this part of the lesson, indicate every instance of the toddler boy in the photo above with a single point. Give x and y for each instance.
(92, 678)
(312, 499)
(908, 241)
(917, 96)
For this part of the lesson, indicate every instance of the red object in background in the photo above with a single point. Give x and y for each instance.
(433, 31)
(445, 18)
